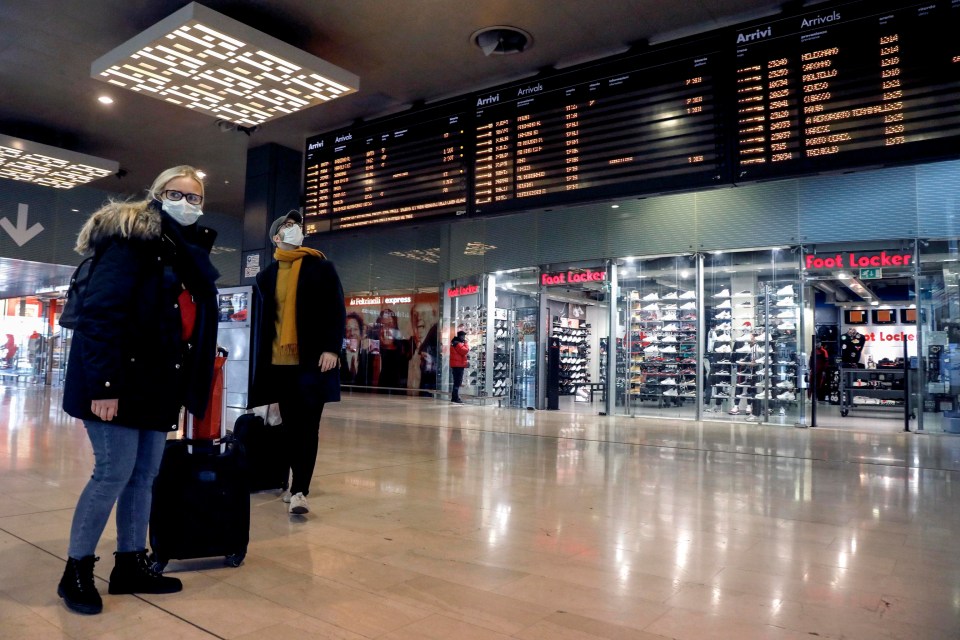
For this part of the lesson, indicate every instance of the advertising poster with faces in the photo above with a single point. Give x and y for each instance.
(391, 341)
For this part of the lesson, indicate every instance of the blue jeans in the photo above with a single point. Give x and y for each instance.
(126, 462)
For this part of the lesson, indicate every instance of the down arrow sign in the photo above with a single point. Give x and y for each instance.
(20, 233)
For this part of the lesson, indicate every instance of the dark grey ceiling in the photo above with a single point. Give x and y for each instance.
(403, 51)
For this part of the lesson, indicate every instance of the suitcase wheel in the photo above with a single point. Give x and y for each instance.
(235, 559)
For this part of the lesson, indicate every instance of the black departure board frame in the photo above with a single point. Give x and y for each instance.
(641, 123)
(847, 85)
(403, 168)
(843, 85)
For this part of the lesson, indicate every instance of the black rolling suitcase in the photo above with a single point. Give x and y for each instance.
(265, 447)
(201, 498)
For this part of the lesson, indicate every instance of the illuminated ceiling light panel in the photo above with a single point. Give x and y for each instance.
(203, 60)
(431, 256)
(477, 249)
(50, 166)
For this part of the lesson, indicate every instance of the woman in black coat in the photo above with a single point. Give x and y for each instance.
(297, 367)
(143, 348)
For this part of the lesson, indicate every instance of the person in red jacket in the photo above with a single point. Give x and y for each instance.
(458, 362)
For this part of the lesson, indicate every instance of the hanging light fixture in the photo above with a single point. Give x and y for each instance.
(203, 60)
(50, 166)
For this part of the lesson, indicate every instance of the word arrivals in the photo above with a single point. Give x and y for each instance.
(572, 277)
(856, 261)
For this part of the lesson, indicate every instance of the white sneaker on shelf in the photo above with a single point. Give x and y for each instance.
(688, 295)
(668, 350)
(724, 338)
(668, 382)
(734, 410)
(787, 395)
(724, 348)
(670, 296)
(650, 296)
(786, 313)
(652, 350)
(724, 305)
(687, 306)
(786, 326)
(746, 293)
(670, 316)
(670, 327)
(669, 339)
(785, 291)
(671, 392)
(723, 294)
(786, 302)
(723, 316)
(653, 306)
(744, 349)
(745, 304)
(298, 504)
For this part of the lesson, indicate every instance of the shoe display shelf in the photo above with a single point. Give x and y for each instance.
(663, 346)
(873, 388)
(621, 367)
(504, 340)
(574, 354)
(473, 321)
(758, 331)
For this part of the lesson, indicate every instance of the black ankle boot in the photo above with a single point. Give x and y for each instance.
(133, 573)
(76, 586)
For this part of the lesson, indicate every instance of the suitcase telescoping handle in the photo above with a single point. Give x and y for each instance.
(219, 380)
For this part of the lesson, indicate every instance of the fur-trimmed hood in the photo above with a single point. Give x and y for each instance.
(137, 220)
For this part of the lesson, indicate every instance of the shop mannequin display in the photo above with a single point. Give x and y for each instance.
(818, 366)
(851, 348)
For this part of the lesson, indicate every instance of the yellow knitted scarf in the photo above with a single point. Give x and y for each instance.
(288, 325)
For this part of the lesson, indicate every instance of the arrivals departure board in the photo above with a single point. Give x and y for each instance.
(396, 169)
(853, 84)
(645, 123)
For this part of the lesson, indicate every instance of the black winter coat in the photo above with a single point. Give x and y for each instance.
(321, 316)
(128, 342)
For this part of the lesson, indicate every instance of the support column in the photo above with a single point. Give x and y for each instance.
(272, 189)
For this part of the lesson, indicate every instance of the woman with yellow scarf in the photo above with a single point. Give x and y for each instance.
(295, 362)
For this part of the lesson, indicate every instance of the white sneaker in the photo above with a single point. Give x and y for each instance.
(787, 313)
(724, 348)
(746, 293)
(669, 339)
(671, 392)
(786, 302)
(285, 497)
(670, 296)
(723, 316)
(670, 316)
(744, 349)
(724, 305)
(668, 350)
(668, 381)
(298, 504)
(723, 294)
(688, 306)
(688, 295)
(652, 350)
(653, 306)
(786, 326)
(724, 338)
(650, 296)
(745, 304)
(735, 410)
(785, 291)
(725, 326)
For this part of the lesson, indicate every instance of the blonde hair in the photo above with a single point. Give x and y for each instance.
(183, 171)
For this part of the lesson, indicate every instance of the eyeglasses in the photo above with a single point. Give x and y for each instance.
(175, 196)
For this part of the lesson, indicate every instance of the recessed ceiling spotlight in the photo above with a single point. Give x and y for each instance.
(615, 206)
(105, 100)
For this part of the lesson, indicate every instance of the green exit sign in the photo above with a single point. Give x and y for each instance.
(871, 274)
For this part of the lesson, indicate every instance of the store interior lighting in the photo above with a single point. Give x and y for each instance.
(203, 60)
(50, 166)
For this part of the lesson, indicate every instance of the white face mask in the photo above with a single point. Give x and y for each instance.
(292, 235)
(182, 211)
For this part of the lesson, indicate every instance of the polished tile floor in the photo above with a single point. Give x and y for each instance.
(432, 521)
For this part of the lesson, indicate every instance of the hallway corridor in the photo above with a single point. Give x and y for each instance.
(477, 523)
